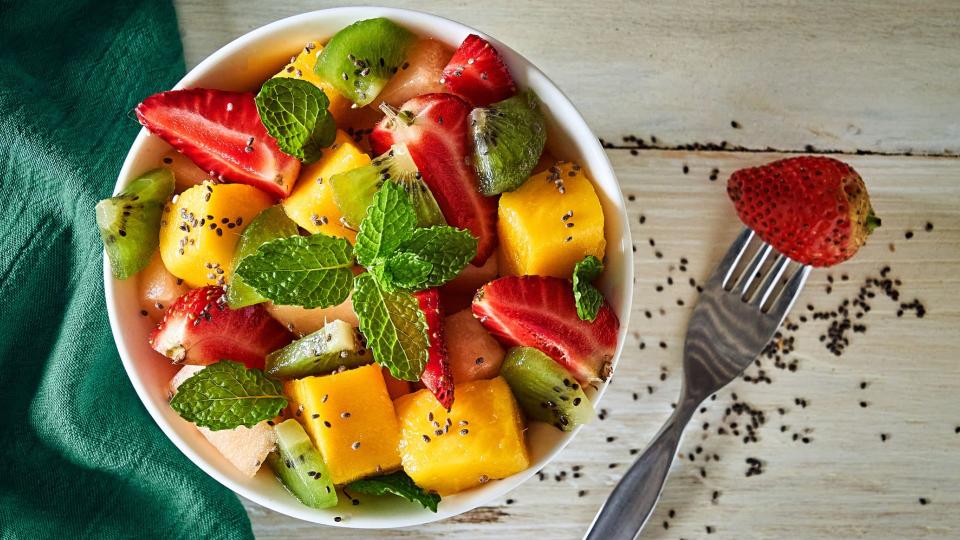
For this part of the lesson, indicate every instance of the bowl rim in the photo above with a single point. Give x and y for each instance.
(575, 123)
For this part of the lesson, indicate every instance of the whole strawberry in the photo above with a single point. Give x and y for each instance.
(812, 209)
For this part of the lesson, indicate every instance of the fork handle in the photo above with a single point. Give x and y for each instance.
(633, 499)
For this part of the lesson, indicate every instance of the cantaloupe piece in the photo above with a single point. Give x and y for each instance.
(199, 232)
(550, 223)
(186, 174)
(350, 417)
(246, 448)
(311, 204)
(303, 321)
(158, 288)
(471, 351)
(479, 440)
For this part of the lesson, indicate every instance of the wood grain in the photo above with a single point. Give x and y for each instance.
(877, 76)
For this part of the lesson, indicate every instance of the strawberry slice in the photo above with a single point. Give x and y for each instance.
(434, 129)
(436, 376)
(540, 312)
(477, 73)
(200, 329)
(222, 133)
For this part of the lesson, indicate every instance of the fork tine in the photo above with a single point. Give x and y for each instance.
(770, 281)
(784, 301)
(733, 256)
(750, 272)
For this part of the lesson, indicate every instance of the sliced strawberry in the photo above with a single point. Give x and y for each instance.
(540, 312)
(436, 376)
(477, 73)
(200, 329)
(222, 133)
(434, 129)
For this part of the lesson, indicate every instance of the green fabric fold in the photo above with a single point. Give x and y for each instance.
(80, 456)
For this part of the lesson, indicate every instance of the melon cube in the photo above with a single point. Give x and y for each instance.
(303, 321)
(158, 288)
(550, 223)
(245, 448)
(480, 439)
(351, 420)
(471, 351)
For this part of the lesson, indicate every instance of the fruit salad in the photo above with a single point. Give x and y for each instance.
(372, 273)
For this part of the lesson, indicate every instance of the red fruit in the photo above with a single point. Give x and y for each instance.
(200, 329)
(477, 73)
(540, 312)
(812, 209)
(436, 376)
(434, 129)
(215, 129)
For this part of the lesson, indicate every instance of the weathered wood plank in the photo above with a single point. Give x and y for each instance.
(878, 76)
(846, 482)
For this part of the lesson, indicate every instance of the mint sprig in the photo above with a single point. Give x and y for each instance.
(295, 113)
(444, 250)
(226, 395)
(390, 220)
(309, 271)
(587, 297)
(399, 484)
(395, 328)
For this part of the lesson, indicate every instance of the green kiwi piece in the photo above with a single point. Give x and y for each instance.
(360, 59)
(269, 224)
(508, 138)
(545, 390)
(353, 190)
(334, 346)
(300, 467)
(129, 223)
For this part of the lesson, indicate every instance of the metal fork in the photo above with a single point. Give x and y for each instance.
(734, 319)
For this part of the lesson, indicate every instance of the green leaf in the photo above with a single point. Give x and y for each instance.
(309, 271)
(395, 328)
(402, 271)
(390, 220)
(399, 484)
(269, 225)
(226, 395)
(295, 113)
(431, 257)
(587, 297)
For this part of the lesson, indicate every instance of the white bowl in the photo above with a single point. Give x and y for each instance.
(242, 65)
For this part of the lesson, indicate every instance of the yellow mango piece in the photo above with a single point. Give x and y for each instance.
(311, 204)
(550, 223)
(199, 232)
(351, 420)
(301, 67)
(484, 441)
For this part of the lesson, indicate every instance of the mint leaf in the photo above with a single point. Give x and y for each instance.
(403, 271)
(226, 395)
(295, 113)
(399, 484)
(390, 220)
(309, 271)
(270, 224)
(395, 328)
(431, 257)
(587, 297)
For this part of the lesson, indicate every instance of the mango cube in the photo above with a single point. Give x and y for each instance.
(351, 420)
(480, 439)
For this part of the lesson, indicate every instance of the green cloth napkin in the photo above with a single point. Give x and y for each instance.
(79, 455)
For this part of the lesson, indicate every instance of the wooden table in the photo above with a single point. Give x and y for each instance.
(850, 446)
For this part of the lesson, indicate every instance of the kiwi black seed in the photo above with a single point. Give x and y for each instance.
(508, 138)
(129, 222)
(300, 467)
(545, 390)
(328, 349)
(360, 59)
(353, 190)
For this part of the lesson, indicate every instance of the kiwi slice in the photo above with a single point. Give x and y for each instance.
(545, 390)
(269, 225)
(129, 223)
(360, 59)
(334, 346)
(353, 190)
(508, 138)
(300, 467)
